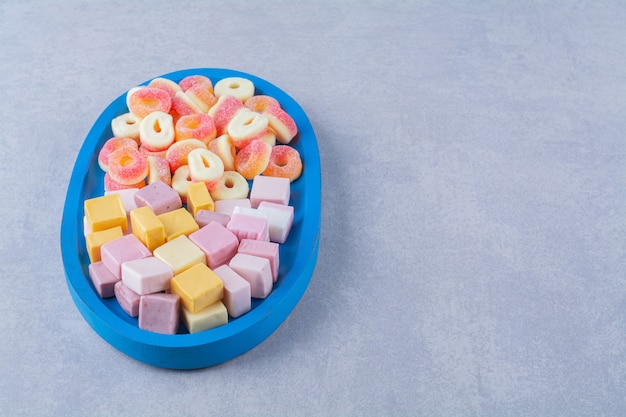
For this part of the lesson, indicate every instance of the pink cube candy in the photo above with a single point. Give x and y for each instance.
(272, 189)
(267, 250)
(256, 271)
(128, 197)
(204, 217)
(123, 249)
(159, 196)
(236, 291)
(103, 280)
(147, 275)
(127, 299)
(217, 242)
(227, 206)
(246, 226)
(279, 219)
(159, 313)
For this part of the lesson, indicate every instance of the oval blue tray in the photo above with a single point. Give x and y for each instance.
(298, 254)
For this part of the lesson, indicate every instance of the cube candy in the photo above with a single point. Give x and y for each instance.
(208, 318)
(227, 206)
(159, 313)
(199, 198)
(237, 297)
(123, 249)
(147, 227)
(256, 271)
(127, 299)
(217, 243)
(198, 287)
(105, 212)
(178, 222)
(180, 254)
(272, 189)
(103, 279)
(95, 240)
(196, 265)
(204, 217)
(159, 197)
(146, 275)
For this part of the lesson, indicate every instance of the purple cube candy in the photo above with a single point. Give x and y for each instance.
(127, 299)
(103, 280)
(204, 217)
(159, 313)
(159, 196)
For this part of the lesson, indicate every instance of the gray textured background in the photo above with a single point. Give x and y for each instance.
(472, 257)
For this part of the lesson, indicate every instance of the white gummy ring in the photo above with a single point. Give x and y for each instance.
(204, 166)
(241, 88)
(232, 185)
(156, 131)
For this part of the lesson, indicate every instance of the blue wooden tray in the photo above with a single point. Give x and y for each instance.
(298, 254)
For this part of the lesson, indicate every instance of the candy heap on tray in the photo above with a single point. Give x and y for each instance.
(196, 203)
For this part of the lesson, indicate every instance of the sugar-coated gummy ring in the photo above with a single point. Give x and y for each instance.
(253, 159)
(143, 101)
(284, 162)
(195, 126)
(246, 126)
(112, 145)
(176, 154)
(232, 185)
(223, 111)
(159, 170)
(166, 85)
(224, 148)
(182, 104)
(112, 185)
(205, 166)
(282, 124)
(261, 103)
(128, 166)
(191, 80)
(241, 88)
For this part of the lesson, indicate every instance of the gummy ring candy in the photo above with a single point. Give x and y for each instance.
(110, 146)
(145, 100)
(128, 166)
(232, 185)
(284, 162)
(253, 159)
(205, 166)
(195, 126)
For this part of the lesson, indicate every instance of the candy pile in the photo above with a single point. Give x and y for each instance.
(180, 235)
(192, 132)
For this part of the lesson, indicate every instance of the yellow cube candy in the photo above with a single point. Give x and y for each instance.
(147, 227)
(178, 222)
(199, 198)
(208, 318)
(105, 212)
(198, 287)
(95, 240)
(180, 254)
